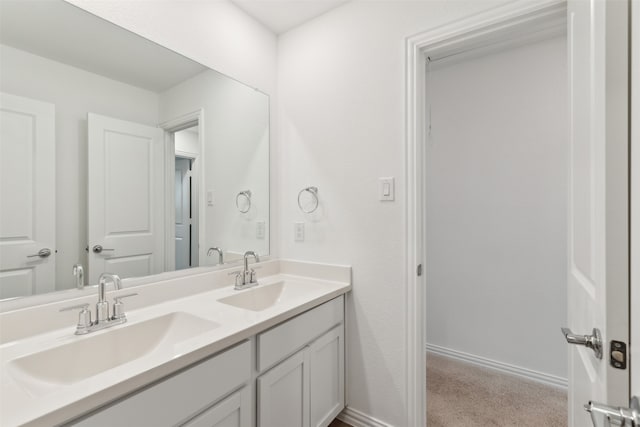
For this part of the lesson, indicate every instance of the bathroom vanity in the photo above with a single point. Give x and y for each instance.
(196, 353)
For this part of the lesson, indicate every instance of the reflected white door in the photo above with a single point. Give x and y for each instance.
(27, 196)
(126, 198)
(183, 213)
(598, 247)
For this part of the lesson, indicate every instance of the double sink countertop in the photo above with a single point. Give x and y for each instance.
(49, 375)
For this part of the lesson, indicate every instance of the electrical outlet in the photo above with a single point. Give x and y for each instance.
(298, 231)
(260, 229)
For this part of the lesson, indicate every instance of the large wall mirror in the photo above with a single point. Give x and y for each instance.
(119, 155)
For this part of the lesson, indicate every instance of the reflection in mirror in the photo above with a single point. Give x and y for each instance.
(119, 155)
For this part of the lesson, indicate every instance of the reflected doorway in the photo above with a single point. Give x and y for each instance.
(187, 143)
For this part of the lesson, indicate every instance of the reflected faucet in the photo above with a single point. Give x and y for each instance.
(102, 307)
(220, 254)
(78, 273)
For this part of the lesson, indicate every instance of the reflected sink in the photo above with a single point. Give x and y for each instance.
(93, 354)
(258, 298)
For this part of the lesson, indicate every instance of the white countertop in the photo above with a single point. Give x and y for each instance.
(307, 285)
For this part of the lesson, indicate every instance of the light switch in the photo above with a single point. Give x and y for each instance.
(299, 232)
(260, 229)
(210, 198)
(386, 188)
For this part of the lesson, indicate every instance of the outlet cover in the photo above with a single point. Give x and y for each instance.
(260, 229)
(298, 231)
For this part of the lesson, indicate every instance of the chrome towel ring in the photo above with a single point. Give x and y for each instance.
(313, 191)
(243, 197)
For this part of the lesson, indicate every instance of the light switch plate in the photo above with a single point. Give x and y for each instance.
(298, 232)
(386, 188)
(210, 198)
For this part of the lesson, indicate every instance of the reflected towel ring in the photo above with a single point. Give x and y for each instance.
(246, 194)
(314, 194)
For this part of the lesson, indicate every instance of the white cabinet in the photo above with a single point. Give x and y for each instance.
(283, 393)
(306, 389)
(326, 377)
(234, 411)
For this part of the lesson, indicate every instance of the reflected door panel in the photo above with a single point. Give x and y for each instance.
(125, 194)
(27, 196)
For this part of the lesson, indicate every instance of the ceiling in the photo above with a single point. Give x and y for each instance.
(65, 33)
(282, 15)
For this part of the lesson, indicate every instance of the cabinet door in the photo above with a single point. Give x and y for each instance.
(234, 411)
(283, 393)
(326, 371)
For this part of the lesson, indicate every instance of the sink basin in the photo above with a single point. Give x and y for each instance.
(90, 355)
(258, 298)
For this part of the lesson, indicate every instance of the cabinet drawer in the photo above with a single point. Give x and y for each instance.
(178, 397)
(283, 340)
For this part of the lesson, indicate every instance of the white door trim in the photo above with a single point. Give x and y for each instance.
(514, 20)
(170, 127)
(635, 200)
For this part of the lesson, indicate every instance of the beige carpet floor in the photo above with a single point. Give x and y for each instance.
(465, 395)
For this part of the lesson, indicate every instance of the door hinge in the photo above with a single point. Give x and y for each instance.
(419, 270)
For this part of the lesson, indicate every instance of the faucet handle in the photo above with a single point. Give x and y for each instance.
(84, 317)
(118, 305)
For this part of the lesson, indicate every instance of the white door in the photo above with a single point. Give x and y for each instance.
(283, 393)
(27, 196)
(598, 283)
(126, 198)
(183, 213)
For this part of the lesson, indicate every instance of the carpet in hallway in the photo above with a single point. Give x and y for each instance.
(464, 395)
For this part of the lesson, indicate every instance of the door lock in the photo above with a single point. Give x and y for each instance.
(605, 415)
(593, 341)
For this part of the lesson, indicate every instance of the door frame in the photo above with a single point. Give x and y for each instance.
(493, 27)
(170, 127)
(634, 300)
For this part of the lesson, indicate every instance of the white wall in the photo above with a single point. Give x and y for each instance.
(187, 141)
(75, 93)
(341, 117)
(235, 156)
(496, 195)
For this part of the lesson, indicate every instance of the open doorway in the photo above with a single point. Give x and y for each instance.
(495, 189)
(187, 147)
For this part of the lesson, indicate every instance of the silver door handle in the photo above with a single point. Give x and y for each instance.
(605, 415)
(42, 253)
(98, 249)
(593, 341)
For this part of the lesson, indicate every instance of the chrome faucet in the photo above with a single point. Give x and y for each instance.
(103, 320)
(78, 273)
(220, 254)
(247, 277)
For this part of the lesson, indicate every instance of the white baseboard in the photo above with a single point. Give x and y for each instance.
(360, 419)
(529, 374)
